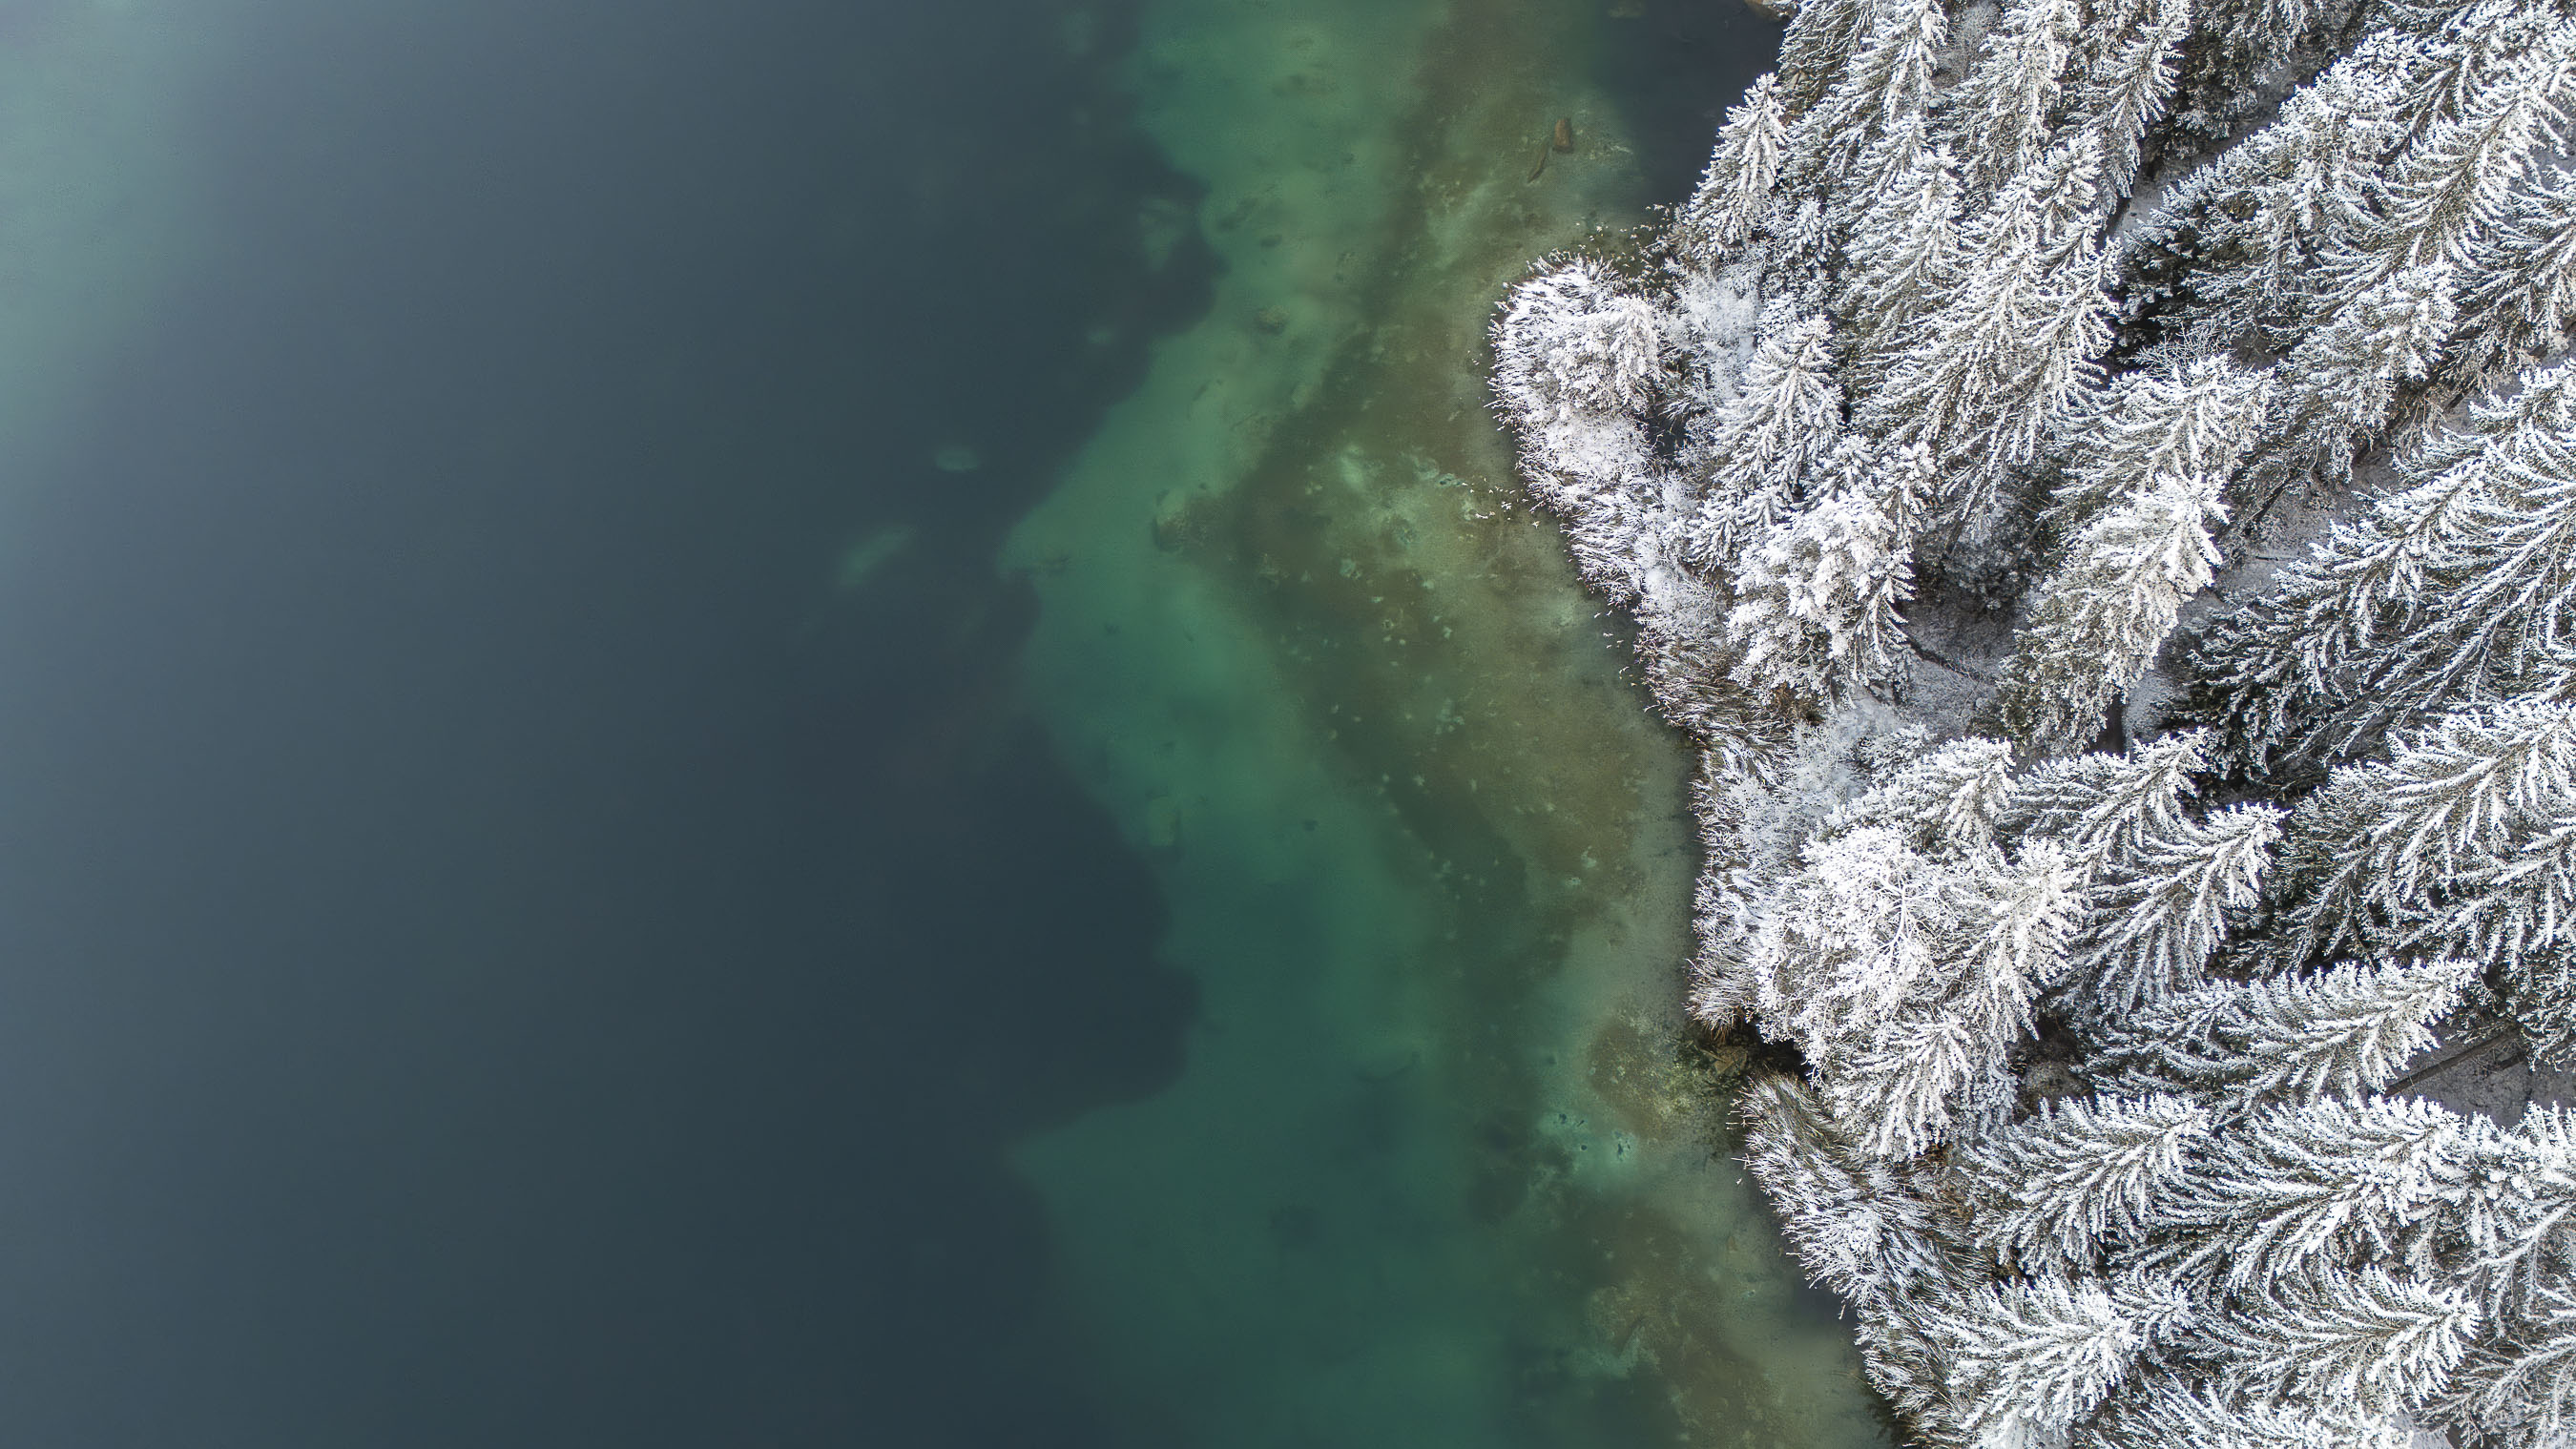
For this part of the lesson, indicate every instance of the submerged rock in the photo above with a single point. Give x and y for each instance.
(870, 553)
(1163, 823)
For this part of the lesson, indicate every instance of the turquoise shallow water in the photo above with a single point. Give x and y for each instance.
(808, 724)
(1439, 1167)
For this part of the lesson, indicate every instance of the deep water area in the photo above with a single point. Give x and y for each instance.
(804, 723)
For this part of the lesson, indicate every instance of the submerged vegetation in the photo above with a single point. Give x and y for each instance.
(2097, 480)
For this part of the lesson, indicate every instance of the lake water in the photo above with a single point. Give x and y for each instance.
(816, 723)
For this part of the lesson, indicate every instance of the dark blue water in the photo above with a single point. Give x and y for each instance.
(533, 907)
(494, 947)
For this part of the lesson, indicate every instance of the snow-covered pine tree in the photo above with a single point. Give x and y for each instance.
(2493, 617)
(2152, 919)
(1946, 948)
(2001, 115)
(1735, 193)
(2020, 316)
(2463, 843)
(2520, 298)
(1900, 251)
(1578, 360)
(2516, 1226)
(2101, 807)
(2231, 247)
(1818, 592)
(2148, 430)
(2347, 1031)
(2099, 619)
(2367, 1339)
(1903, 954)
(1770, 438)
(2343, 381)
(1812, 55)
(1943, 803)
(1755, 826)
(2027, 1360)
(2127, 80)
(2015, 930)
(2167, 1409)
(2453, 588)
(2302, 1191)
(1854, 963)
(2519, 1388)
(1858, 1228)
(1885, 91)
(2459, 50)
(2454, 181)
(1575, 357)
(2051, 1190)
(2257, 35)
(2513, 1233)
(1851, 937)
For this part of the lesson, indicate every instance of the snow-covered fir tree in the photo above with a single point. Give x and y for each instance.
(2097, 480)
(2347, 1031)
(2052, 1190)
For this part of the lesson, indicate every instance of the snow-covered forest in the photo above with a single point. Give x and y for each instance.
(2096, 479)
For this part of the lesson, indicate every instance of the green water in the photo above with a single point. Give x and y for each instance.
(94, 202)
(1442, 1167)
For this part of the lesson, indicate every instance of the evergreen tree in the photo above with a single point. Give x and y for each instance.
(2307, 1189)
(1818, 593)
(2463, 51)
(1735, 193)
(2258, 34)
(2103, 807)
(2368, 1339)
(2456, 180)
(2517, 1222)
(2027, 1360)
(2345, 1032)
(1899, 251)
(1858, 1229)
(2049, 1191)
(2152, 920)
(1812, 55)
(2453, 588)
(2099, 619)
(2016, 929)
(2521, 295)
(2231, 245)
(2343, 381)
(2520, 1388)
(2149, 431)
(2128, 81)
(1943, 803)
(1775, 432)
(2492, 616)
(1852, 936)
(2167, 1409)
(1886, 88)
(2000, 115)
(2019, 320)
(2463, 843)
(1905, 979)
(1574, 341)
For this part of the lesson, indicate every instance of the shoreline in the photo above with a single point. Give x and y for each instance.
(1456, 807)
